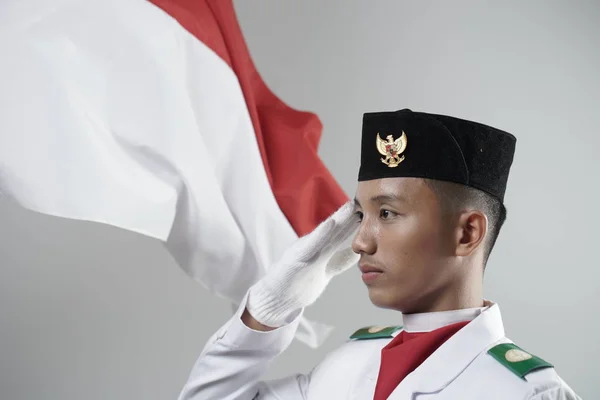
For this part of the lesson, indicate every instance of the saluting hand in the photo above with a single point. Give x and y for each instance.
(304, 271)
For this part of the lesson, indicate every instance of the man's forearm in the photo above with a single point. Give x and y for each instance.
(235, 358)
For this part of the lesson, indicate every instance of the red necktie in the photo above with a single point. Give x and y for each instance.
(405, 353)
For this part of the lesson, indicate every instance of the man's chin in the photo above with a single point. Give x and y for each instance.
(381, 298)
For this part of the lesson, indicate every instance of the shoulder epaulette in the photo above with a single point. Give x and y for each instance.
(517, 360)
(375, 332)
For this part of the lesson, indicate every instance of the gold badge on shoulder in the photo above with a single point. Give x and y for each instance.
(376, 329)
(375, 332)
(392, 149)
(517, 355)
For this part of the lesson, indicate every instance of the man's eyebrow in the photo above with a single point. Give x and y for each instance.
(384, 198)
(387, 198)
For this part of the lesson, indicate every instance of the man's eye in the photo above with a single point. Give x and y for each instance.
(386, 214)
(360, 215)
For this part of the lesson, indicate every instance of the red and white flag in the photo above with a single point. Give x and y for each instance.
(150, 116)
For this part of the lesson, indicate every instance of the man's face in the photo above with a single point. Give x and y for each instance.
(402, 236)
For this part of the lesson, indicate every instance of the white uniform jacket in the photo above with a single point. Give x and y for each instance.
(235, 358)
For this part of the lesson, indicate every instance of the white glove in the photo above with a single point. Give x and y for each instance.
(299, 278)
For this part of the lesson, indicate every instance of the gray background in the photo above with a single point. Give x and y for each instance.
(93, 312)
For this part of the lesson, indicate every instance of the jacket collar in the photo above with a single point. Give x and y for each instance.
(427, 322)
(452, 357)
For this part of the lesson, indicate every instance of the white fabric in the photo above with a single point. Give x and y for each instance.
(233, 362)
(305, 270)
(427, 322)
(111, 112)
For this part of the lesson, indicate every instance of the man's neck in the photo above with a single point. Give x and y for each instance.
(460, 295)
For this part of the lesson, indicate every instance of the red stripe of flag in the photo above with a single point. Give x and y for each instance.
(288, 139)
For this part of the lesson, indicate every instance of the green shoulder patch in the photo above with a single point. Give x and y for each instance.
(516, 360)
(375, 332)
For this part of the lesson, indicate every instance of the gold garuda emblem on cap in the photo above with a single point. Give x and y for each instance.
(392, 149)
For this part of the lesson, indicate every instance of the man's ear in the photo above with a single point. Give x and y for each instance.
(470, 232)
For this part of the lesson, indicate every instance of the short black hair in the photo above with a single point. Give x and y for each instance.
(455, 198)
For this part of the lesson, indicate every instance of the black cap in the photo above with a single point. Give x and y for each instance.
(415, 144)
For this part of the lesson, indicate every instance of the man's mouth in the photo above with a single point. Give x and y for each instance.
(369, 272)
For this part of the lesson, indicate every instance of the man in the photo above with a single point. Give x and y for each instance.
(428, 209)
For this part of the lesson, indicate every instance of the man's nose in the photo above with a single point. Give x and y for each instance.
(364, 241)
